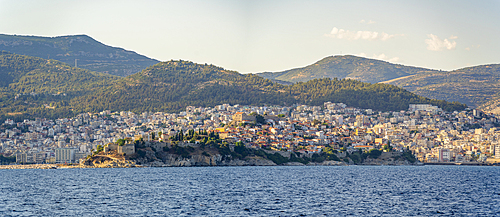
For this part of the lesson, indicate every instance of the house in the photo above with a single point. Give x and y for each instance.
(242, 117)
(363, 147)
(127, 149)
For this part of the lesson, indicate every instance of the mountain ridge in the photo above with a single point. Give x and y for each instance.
(82, 50)
(347, 66)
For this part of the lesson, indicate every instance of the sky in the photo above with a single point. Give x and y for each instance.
(273, 35)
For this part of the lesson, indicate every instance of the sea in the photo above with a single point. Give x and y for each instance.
(253, 191)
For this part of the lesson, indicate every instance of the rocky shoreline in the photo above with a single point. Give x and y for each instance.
(152, 158)
(193, 163)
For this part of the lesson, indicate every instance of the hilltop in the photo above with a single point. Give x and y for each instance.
(89, 53)
(476, 86)
(347, 66)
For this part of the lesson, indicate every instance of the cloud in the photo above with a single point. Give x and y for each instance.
(363, 35)
(472, 47)
(386, 36)
(434, 43)
(380, 57)
(367, 22)
(384, 57)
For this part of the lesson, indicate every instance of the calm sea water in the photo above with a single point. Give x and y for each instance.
(253, 191)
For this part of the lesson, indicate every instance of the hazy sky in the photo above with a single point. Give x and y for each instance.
(257, 36)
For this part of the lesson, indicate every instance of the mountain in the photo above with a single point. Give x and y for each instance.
(473, 86)
(31, 84)
(32, 75)
(347, 66)
(173, 85)
(88, 53)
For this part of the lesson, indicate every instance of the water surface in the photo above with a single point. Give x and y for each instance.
(253, 191)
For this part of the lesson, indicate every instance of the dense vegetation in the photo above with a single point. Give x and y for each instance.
(24, 75)
(37, 87)
(7, 160)
(171, 86)
(348, 66)
(90, 54)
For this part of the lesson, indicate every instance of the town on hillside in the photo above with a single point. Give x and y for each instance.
(432, 135)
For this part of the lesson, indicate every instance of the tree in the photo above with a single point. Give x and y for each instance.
(99, 149)
(241, 149)
(374, 153)
(387, 148)
(120, 142)
(316, 122)
(259, 119)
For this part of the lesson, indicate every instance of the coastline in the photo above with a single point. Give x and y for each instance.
(328, 163)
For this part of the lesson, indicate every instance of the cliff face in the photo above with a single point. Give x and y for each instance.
(157, 154)
(173, 160)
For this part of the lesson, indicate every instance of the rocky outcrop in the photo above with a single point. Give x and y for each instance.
(173, 160)
(107, 161)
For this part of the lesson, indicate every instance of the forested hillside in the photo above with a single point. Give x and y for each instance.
(32, 85)
(171, 86)
(83, 50)
(347, 66)
(25, 75)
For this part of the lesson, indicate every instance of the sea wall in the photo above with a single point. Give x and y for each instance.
(29, 166)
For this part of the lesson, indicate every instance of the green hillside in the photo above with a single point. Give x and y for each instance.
(89, 53)
(473, 86)
(25, 75)
(32, 83)
(171, 86)
(348, 66)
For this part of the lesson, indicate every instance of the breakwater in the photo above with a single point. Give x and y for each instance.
(29, 166)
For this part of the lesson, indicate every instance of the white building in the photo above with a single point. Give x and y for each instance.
(65, 155)
(424, 107)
